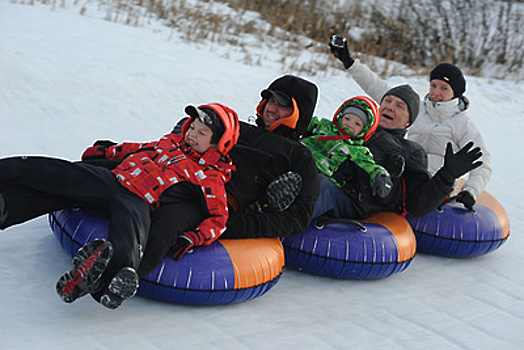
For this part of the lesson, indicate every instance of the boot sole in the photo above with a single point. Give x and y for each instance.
(89, 264)
(123, 286)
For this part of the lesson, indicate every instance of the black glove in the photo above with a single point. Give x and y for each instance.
(338, 46)
(382, 185)
(98, 150)
(465, 198)
(280, 194)
(462, 162)
(184, 243)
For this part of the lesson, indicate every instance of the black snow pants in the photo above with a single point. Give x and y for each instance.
(182, 208)
(33, 186)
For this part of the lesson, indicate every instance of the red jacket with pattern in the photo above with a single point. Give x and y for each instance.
(148, 169)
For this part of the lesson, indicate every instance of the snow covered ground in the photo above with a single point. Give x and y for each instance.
(67, 80)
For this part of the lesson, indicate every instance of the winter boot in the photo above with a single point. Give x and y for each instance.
(122, 287)
(283, 191)
(280, 194)
(89, 264)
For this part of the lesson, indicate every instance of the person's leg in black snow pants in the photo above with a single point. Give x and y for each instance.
(33, 186)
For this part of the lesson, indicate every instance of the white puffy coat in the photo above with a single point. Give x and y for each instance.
(436, 125)
(441, 122)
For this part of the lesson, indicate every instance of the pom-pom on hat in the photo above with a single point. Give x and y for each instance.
(452, 75)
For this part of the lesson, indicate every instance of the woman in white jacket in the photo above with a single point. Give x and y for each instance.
(442, 118)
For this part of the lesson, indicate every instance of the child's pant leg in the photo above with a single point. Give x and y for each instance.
(33, 186)
(130, 220)
(167, 222)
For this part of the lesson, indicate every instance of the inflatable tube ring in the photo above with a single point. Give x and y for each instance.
(225, 272)
(374, 248)
(457, 232)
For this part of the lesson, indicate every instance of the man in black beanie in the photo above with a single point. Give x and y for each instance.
(415, 190)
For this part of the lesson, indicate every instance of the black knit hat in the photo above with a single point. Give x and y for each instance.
(452, 75)
(409, 96)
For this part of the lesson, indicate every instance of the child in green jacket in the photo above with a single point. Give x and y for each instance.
(332, 142)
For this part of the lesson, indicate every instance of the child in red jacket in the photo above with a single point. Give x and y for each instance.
(196, 161)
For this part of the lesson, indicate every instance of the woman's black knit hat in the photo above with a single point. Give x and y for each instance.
(452, 75)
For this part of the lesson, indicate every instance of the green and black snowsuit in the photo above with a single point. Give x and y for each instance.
(331, 144)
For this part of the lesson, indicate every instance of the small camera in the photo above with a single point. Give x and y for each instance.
(338, 41)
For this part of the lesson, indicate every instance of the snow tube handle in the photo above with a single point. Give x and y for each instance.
(321, 222)
(450, 199)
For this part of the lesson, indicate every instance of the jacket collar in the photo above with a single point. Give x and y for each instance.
(445, 110)
(400, 133)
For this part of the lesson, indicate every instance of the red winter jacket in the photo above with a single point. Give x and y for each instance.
(150, 168)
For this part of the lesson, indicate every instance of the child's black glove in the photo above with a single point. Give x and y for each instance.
(184, 243)
(338, 46)
(382, 186)
(465, 198)
(98, 150)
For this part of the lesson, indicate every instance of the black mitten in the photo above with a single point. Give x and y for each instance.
(339, 48)
(98, 150)
(382, 185)
(185, 242)
(465, 198)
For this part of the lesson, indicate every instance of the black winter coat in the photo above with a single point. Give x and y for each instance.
(415, 191)
(276, 155)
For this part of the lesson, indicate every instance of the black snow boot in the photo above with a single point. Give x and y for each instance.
(122, 287)
(89, 264)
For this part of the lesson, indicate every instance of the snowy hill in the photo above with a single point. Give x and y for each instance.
(67, 80)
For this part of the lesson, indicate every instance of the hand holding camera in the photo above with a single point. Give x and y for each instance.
(338, 46)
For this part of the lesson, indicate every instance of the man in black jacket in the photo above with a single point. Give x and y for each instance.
(263, 153)
(283, 116)
(263, 156)
(414, 190)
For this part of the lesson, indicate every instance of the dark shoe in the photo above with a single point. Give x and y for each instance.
(283, 191)
(280, 194)
(89, 264)
(122, 287)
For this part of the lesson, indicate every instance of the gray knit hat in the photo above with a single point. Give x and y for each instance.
(409, 96)
(359, 112)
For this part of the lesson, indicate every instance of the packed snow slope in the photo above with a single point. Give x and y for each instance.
(67, 80)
